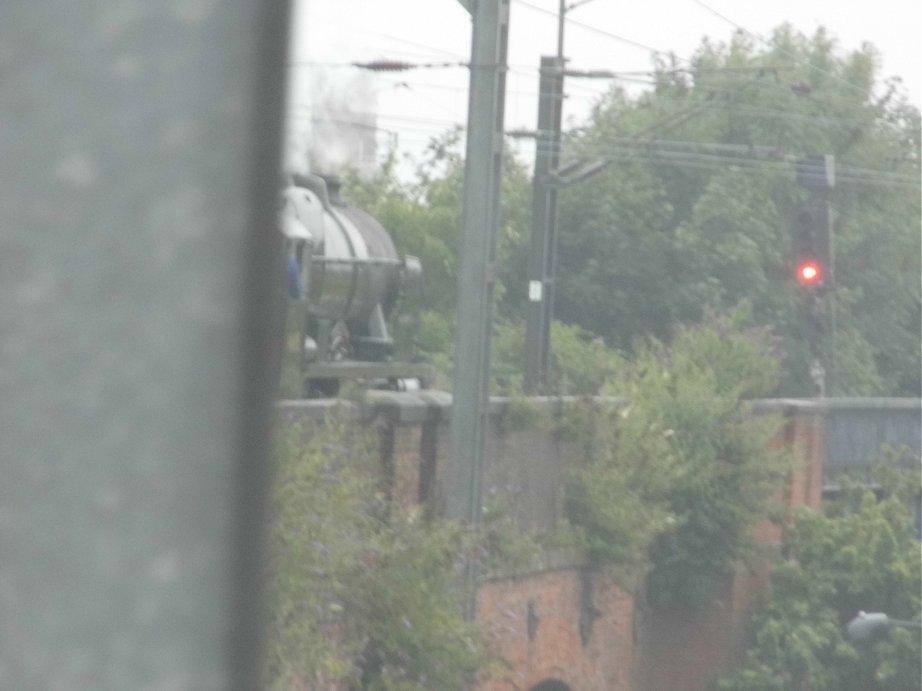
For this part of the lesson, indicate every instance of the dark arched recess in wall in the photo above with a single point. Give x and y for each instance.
(550, 685)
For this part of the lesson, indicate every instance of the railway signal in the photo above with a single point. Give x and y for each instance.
(813, 265)
(810, 247)
(810, 273)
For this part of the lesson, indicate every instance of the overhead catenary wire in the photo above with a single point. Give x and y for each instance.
(778, 114)
(781, 49)
(722, 164)
(675, 119)
(593, 29)
(745, 150)
(392, 65)
(671, 121)
(789, 114)
(416, 44)
(415, 85)
(745, 154)
(636, 143)
(702, 105)
(694, 109)
(421, 123)
(368, 116)
(715, 154)
(844, 175)
(387, 66)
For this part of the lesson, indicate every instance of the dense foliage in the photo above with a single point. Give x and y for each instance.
(691, 218)
(361, 595)
(695, 212)
(680, 473)
(863, 554)
(696, 209)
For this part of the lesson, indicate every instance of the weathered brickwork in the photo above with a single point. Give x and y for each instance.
(560, 623)
(406, 463)
(635, 648)
(533, 624)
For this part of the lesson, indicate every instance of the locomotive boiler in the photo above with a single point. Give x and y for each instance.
(344, 278)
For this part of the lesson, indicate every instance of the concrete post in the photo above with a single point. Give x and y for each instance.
(476, 272)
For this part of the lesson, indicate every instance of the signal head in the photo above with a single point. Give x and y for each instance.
(810, 273)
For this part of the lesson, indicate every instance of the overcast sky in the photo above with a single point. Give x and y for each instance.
(615, 35)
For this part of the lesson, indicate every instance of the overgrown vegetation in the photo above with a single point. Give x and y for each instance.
(680, 474)
(361, 595)
(695, 213)
(862, 553)
(674, 479)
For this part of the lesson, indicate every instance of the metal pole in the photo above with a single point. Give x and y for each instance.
(476, 271)
(817, 174)
(828, 220)
(561, 18)
(542, 262)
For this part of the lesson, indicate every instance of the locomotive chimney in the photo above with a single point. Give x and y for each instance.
(334, 185)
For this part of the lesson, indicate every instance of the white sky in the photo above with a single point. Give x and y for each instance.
(417, 105)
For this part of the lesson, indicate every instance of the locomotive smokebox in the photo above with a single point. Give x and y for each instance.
(349, 267)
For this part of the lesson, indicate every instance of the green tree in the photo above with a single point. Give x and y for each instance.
(580, 362)
(695, 210)
(862, 554)
(684, 469)
(727, 473)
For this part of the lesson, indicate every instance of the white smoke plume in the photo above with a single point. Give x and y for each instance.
(331, 118)
(343, 123)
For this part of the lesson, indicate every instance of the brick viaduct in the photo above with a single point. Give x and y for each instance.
(558, 625)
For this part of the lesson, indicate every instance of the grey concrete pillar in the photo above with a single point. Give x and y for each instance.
(138, 158)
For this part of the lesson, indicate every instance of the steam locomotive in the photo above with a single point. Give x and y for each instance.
(344, 279)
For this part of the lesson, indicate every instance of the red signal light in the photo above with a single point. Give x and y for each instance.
(810, 273)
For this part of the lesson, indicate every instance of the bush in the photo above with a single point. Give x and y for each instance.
(360, 595)
(580, 362)
(684, 469)
(861, 554)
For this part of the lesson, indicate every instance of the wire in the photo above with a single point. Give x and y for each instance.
(403, 66)
(674, 120)
(753, 110)
(756, 152)
(424, 46)
(425, 122)
(620, 76)
(412, 85)
(593, 29)
(782, 50)
(384, 65)
(677, 152)
(844, 174)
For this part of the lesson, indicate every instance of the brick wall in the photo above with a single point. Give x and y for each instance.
(633, 647)
(686, 649)
(558, 621)
(564, 624)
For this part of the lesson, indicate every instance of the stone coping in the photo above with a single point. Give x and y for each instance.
(432, 405)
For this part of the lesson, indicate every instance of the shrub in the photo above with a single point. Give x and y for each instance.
(684, 469)
(860, 554)
(360, 595)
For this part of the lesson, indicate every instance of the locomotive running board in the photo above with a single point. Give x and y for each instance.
(370, 370)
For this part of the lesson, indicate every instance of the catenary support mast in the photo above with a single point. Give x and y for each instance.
(476, 271)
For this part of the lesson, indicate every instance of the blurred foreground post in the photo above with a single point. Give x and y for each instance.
(138, 155)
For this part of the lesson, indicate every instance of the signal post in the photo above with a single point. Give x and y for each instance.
(814, 269)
